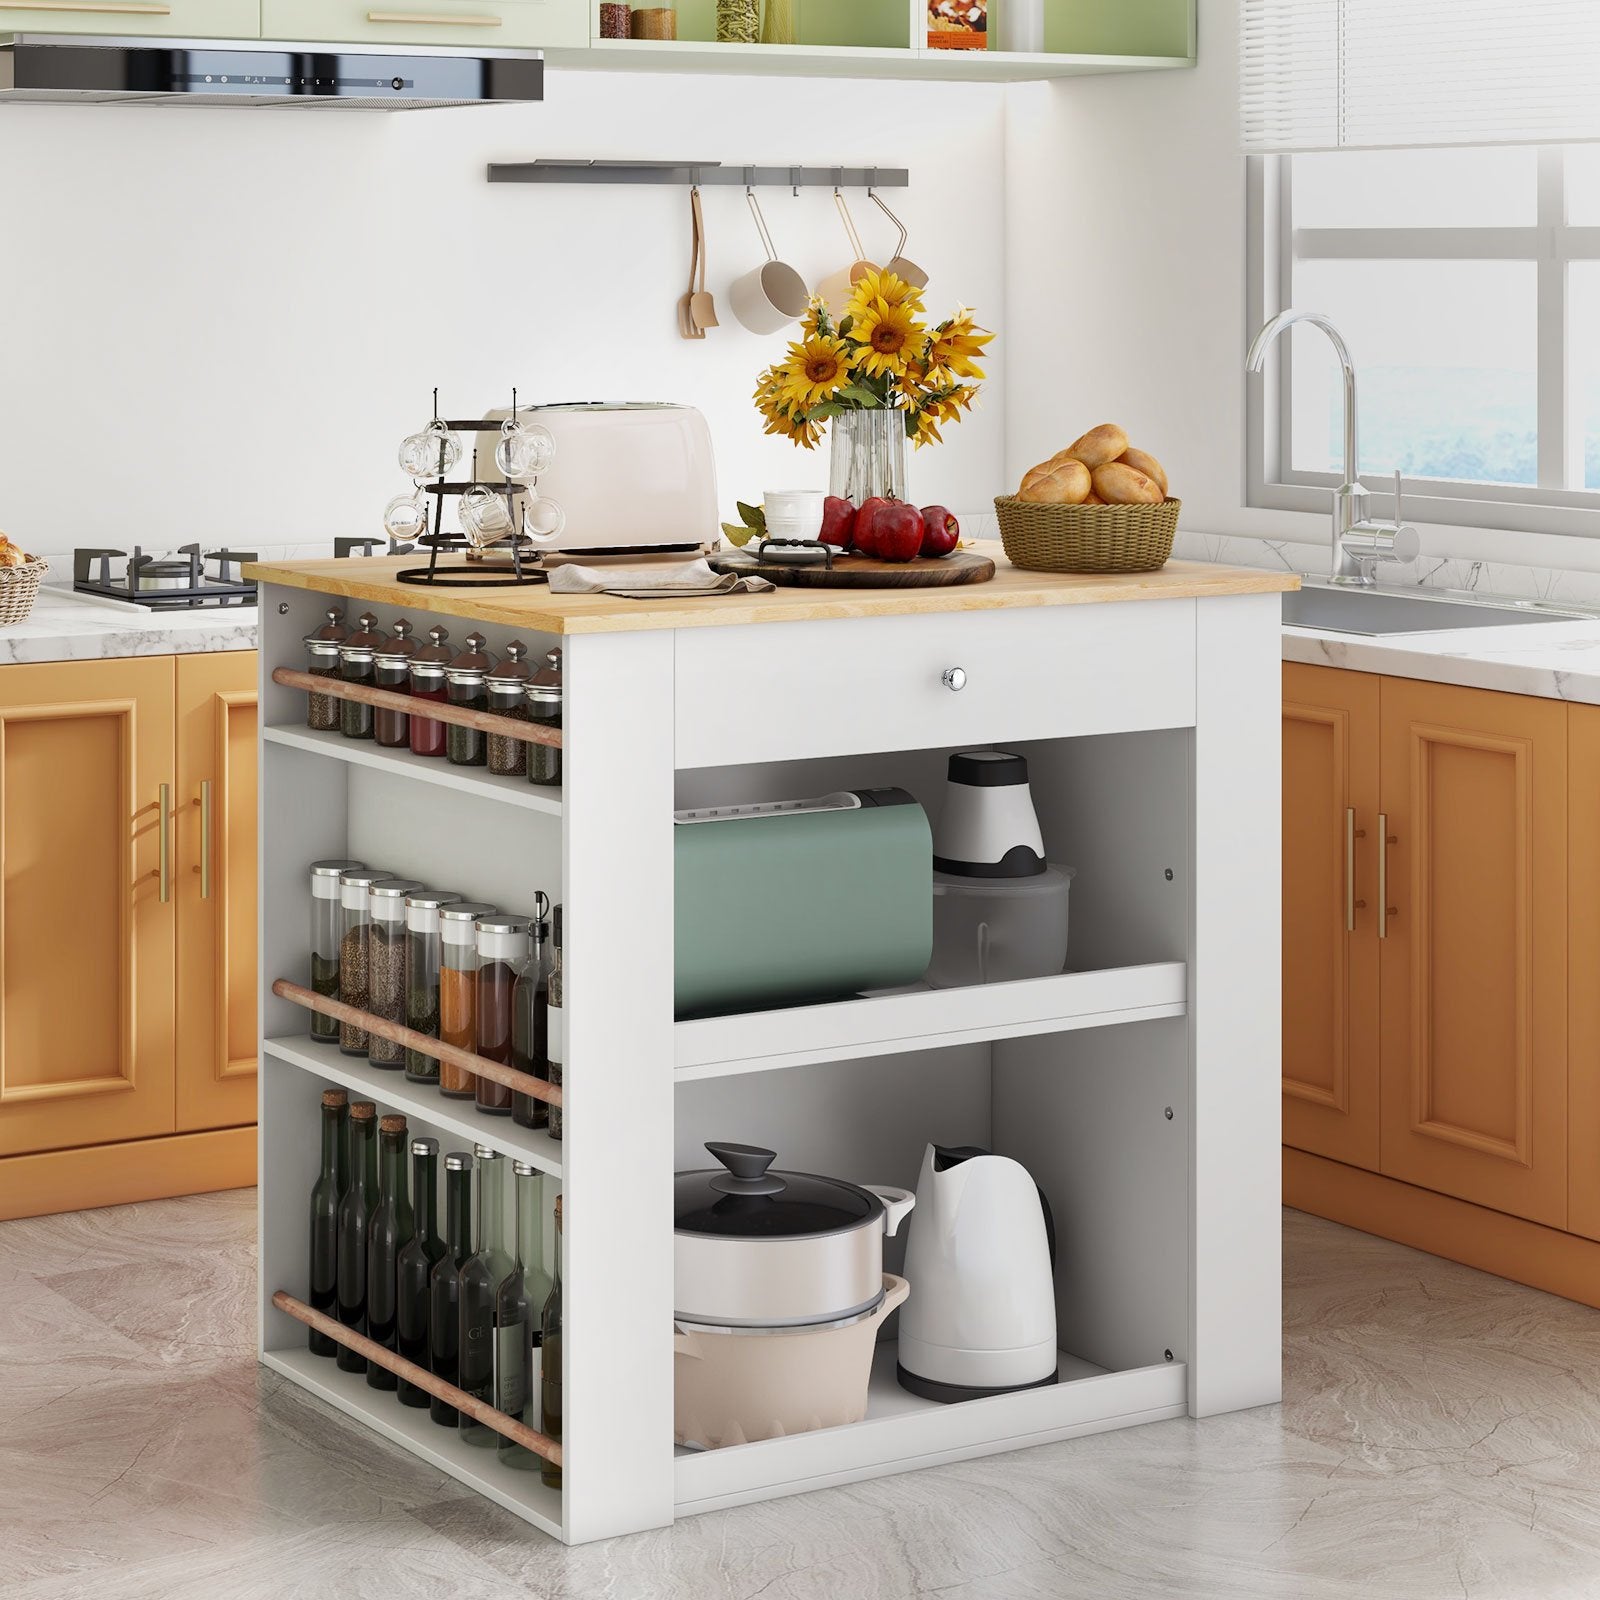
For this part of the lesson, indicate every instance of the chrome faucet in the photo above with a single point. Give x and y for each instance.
(1360, 544)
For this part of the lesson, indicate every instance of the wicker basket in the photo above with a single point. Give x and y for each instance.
(19, 588)
(1051, 538)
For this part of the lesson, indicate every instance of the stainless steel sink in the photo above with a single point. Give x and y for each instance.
(1370, 612)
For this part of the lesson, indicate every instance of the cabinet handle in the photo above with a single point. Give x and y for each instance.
(205, 838)
(954, 679)
(1385, 910)
(1349, 869)
(164, 844)
(433, 19)
(98, 8)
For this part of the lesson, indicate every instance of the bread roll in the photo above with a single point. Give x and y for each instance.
(1098, 445)
(1143, 461)
(12, 555)
(1121, 485)
(1061, 481)
(1094, 500)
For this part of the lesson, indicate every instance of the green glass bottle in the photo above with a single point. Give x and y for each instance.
(517, 1318)
(550, 1364)
(487, 1268)
(444, 1308)
(324, 1252)
(355, 1217)
(387, 1233)
(419, 1255)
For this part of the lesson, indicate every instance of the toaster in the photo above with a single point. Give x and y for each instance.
(792, 901)
(628, 475)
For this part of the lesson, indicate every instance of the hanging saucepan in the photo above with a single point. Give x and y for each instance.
(756, 1248)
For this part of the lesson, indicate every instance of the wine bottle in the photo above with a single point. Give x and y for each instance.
(324, 1253)
(550, 1364)
(444, 1298)
(528, 1052)
(516, 1319)
(419, 1255)
(486, 1269)
(555, 1024)
(355, 1217)
(389, 1229)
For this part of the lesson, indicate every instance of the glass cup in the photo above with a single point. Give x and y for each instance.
(525, 450)
(405, 518)
(431, 453)
(485, 517)
(543, 521)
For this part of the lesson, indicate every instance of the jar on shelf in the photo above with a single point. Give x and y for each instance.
(503, 957)
(356, 666)
(322, 647)
(615, 20)
(325, 941)
(654, 22)
(386, 966)
(391, 669)
(427, 670)
(355, 919)
(738, 21)
(778, 23)
(423, 955)
(458, 991)
(543, 696)
(467, 686)
(508, 756)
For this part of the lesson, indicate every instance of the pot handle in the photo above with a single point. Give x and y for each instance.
(895, 1291)
(897, 1203)
(683, 1344)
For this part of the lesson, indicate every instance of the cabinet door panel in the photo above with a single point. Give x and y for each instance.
(1330, 968)
(1474, 965)
(216, 698)
(514, 24)
(86, 941)
(1583, 966)
(183, 19)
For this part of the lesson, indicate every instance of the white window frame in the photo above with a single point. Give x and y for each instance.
(1275, 244)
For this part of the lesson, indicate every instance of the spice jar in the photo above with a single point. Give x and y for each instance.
(325, 940)
(423, 954)
(427, 683)
(458, 991)
(654, 22)
(386, 966)
(614, 21)
(502, 960)
(391, 669)
(322, 710)
(507, 756)
(355, 666)
(543, 695)
(528, 1052)
(738, 21)
(466, 684)
(355, 918)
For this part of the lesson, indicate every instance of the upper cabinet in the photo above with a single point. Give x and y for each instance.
(506, 24)
(179, 19)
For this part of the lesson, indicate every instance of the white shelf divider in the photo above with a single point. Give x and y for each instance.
(926, 1019)
(521, 1492)
(427, 769)
(395, 1092)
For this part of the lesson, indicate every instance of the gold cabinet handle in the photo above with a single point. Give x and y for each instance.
(1349, 869)
(205, 839)
(433, 19)
(1385, 910)
(164, 844)
(97, 8)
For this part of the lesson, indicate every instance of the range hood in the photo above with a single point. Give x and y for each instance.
(86, 70)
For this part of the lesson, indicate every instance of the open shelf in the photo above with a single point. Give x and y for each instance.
(902, 1431)
(427, 769)
(393, 1091)
(521, 1493)
(925, 1019)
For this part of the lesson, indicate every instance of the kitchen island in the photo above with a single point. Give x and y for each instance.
(1139, 1087)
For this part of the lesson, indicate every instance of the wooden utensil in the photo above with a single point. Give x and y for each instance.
(688, 328)
(702, 307)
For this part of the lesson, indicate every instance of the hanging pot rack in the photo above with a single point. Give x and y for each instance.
(704, 174)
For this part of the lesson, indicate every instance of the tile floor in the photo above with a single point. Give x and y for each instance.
(1440, 1438)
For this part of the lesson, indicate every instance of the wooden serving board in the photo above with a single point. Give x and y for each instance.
(863, 572)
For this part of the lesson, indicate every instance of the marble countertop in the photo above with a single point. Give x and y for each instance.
(64, 626)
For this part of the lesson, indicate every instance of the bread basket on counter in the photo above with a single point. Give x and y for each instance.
(19, 588)
(1062, 538)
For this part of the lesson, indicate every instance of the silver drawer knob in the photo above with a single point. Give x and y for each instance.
(954, 679)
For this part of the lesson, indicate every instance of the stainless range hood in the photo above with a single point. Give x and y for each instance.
(83, 69)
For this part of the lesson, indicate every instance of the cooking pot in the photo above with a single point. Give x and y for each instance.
(757, 1248)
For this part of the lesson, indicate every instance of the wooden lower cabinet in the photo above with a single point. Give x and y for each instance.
(127, 988)
(1583, 957)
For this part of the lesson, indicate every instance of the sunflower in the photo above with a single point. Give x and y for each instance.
(817, 367)
(955, 346)
(880, 285)
(795, 426)
(888, 336)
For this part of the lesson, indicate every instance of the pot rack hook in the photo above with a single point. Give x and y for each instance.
(513, 402)
(794, 181)
(436, 402)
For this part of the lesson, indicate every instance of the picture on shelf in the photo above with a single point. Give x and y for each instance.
(958, 24)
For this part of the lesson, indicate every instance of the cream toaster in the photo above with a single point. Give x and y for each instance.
(627, 475)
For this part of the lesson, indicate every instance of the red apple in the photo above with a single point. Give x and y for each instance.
(898, 532)
(866, 528)
(941, 533)
(838, 522)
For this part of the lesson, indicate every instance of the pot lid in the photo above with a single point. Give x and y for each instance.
(331, 634)
(474, 661)
(545, 685)
(435, 654)
(513, 670)
(367, 637)
(743, 1199)
(400, 647)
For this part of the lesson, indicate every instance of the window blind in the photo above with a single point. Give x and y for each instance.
(1365, 74)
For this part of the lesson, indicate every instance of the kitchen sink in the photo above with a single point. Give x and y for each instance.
(1371, 612)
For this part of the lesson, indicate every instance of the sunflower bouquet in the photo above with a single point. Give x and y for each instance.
(881, 355)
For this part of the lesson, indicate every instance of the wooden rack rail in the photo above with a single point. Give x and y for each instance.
(509, 1427)
(436, 710)
(425, 1044)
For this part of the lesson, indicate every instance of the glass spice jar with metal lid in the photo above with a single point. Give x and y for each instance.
(503, 957)
(322, 647)
(467, 685)
(356, 666)
(458, 991)
(427, 669)
(325, 940)
(391, 669)
(424, 951)
(508, 756)
(386, 966)
(543, 695)
(355, 920)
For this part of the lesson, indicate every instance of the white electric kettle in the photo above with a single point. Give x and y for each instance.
(981, 1319)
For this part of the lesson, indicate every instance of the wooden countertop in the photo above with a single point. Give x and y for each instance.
(372, 580)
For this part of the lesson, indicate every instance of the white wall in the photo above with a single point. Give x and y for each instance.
(220, 323)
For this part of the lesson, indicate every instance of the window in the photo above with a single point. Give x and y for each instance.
(1466, 282)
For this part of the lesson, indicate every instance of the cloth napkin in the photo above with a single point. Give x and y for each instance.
(653, 583)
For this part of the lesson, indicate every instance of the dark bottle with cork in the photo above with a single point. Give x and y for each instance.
(388, 1231)
(444, 1301)
(481, 1278)
(324, 1252)
(355, 1219)
(419, 1255)
(550, 1364)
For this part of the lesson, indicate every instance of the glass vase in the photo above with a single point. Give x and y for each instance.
(869, 455)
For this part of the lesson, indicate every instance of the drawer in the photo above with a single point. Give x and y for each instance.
(481, 24)
(186, 19)
(777, 692)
